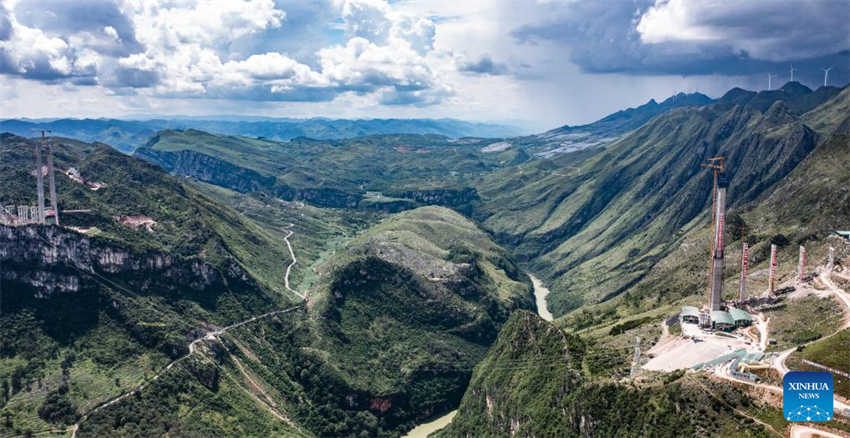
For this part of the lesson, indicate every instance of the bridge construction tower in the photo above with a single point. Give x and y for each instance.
(718, 219)
(801, 265)
(745, 266)
(771, 281)
(40, 216)
(54, 205)
(39, 179)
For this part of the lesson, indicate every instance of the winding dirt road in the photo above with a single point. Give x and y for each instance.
(211, 336)
(824, 276)
(291, 264)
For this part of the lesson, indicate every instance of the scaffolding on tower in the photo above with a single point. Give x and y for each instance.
(745, 266)
(714, 287)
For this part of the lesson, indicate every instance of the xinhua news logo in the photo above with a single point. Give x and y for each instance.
(807, 396)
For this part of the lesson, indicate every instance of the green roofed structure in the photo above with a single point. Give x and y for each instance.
(741, 317)
(722, 320)
(843, 234)
(689, 314)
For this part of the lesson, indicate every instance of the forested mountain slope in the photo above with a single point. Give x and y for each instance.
(531, 384)
(803, 208)
(395, 325)
(594, 226)
(91, 311)
(391, 172)
(567, 138)
(190, 318)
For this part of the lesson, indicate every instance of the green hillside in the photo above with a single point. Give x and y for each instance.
(91, 311)
(384, 344)
(805, 207)
(406, 295)
(594, 223)
(566, 139)
(396, 321)
(388, 172)
(531, 384)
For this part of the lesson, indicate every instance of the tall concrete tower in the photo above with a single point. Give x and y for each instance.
(771, 281)
(52, 181)
(39, 180)
(745, 266)
(718, 262)
(801, 265)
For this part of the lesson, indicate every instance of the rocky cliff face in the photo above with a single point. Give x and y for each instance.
(206, 168)
(54, 260)
(456, 198)
(222, 173)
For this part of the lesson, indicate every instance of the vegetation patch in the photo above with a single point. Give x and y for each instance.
(794, 324)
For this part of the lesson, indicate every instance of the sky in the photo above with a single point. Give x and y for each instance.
(538, 64)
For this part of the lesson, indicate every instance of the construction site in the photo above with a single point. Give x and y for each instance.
(38, 214)
(42, 214)
(731, 339)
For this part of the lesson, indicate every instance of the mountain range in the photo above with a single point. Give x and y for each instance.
(174, 314)
(126, 135)
(223, 284)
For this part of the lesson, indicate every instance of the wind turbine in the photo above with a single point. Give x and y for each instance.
(769, 81)
(826, 75)
(792, 73)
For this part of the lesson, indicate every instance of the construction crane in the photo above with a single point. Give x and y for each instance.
(717, 165)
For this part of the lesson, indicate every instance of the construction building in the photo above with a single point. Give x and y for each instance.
(689, 315)
(842, 234)
(722, 320)
(740, 317)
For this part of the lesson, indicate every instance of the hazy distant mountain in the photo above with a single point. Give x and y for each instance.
(797, 97)
(126, 135)
(572, 138)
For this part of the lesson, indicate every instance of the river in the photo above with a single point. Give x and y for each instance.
(423, 430)
(540, 294)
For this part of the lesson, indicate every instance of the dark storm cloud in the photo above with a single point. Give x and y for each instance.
(422, 98)
(135, 78)
(37, 67)
(484, 66)
(84, 81)
(6, 65)
(732, 38)
(68, 17)
(5, 24)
